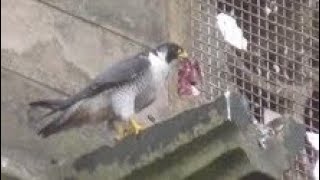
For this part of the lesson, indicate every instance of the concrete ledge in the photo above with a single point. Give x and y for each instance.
(189, 144)
(230, 165)
(191, 157)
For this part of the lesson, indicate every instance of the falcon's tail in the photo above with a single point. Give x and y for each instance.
(58, 115)
(50, 129)
(37, 118)
(49, 104)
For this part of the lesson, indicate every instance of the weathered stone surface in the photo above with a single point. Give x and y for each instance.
(179, 22)
(231, 164)
(34, 153)
(190, 157)
(141, 20)
(54, 48)
(6, 177)
(190, 144)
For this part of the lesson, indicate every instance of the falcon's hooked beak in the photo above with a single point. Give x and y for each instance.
(182, 54)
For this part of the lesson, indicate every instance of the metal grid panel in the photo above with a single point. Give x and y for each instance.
(280, 68)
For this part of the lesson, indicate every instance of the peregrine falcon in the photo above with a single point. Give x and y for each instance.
(131, 86)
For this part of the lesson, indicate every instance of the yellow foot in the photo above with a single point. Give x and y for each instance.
(122, 129)
(135, 127)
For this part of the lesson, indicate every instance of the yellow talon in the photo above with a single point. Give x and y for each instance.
(136, 128)
(124, 130)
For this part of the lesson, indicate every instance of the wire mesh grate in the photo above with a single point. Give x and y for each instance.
(279, 69)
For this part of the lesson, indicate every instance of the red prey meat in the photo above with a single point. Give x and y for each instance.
(189, 76)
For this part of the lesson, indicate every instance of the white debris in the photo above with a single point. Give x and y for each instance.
(232, 12)
(271, 8)
(231, 32)
(275, 9)
(276, 68)
(279, 90)
(286, 76)
(314, 140)
(316, 171)
(269, 115)
(286, 50)
(268, 75)
(259, 71)
(195, 91)
(4, 162)
(268, 10)
(227, 96)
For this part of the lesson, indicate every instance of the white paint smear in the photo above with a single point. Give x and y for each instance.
(4, 162)
(316, 171)
(227, 96)
(231, 32)
(314, 140)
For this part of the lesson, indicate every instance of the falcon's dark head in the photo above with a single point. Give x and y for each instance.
(172, 51)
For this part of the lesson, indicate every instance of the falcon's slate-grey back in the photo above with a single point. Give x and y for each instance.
(131, 86)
